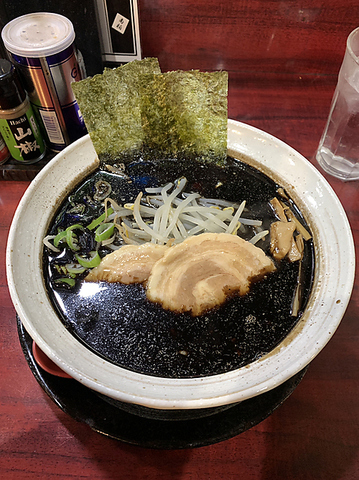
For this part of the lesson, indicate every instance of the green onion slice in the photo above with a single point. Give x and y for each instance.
(69, 281)
(75, 225)
(59, 237)
(89, 262)
(100, 219)
(71, 239)
(75, 268)
(104, 231)
(68, 236)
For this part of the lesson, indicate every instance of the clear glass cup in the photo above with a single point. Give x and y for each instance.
(338, 151)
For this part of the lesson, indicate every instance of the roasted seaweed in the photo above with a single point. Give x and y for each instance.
(137, 111)
(110, 105)
(184, 114)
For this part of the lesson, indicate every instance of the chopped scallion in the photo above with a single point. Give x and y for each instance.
(59, 237)
(104, 231)
(100, 219)
(71, 239)
(75, 268)
(68, 236)
(69, 281)
(89, 262)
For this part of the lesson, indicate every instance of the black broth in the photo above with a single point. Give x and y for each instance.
(120, 324)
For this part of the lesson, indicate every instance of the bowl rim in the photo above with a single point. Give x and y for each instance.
(333, 281)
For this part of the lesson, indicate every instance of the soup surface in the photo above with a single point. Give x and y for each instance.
(119, 323)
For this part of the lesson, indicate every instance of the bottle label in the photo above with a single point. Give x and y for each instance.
(48, 83)
(22, 137)
(4, 152)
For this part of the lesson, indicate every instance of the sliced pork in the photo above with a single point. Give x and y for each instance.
(129, 264)
(202, 271)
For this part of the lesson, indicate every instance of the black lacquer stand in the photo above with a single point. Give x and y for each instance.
(85, 405)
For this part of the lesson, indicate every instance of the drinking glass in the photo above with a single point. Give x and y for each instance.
(338, 151)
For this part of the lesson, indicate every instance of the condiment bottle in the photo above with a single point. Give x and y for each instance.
(18, 125)
(4, 152)
(42, 46)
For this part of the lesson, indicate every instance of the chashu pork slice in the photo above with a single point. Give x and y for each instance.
(128, 264)
(202, 271)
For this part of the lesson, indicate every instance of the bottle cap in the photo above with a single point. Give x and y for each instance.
(38, 34)
(12, 93)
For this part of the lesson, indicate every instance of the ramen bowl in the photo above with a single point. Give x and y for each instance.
(330, 294)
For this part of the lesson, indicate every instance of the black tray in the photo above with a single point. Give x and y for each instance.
(85, 405)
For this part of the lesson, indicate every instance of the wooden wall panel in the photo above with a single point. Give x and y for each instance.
(286, 36)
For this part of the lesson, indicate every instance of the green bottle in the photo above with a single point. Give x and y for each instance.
(18, 124)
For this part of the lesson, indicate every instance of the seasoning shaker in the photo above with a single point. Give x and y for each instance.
(42, 47)
(18, 125)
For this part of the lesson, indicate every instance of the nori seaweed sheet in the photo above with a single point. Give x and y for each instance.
(135, 110)
(110, 105)
(184, 115)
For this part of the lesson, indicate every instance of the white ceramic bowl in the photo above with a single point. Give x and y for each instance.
(333, 282)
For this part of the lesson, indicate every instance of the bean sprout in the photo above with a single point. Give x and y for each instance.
(168, 214)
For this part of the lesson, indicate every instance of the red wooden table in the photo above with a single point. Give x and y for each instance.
(282, 60)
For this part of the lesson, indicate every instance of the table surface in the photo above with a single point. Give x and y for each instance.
(313, 435)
